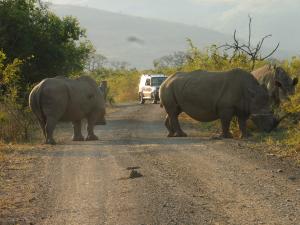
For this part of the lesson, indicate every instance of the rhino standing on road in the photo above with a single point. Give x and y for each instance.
(208, 96)
(279, 84)
(62, 99)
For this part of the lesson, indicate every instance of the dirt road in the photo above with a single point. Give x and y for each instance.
(186, 181)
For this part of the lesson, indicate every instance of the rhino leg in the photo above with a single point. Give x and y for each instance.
(243, 127)
(226, 117)
(90, 130)
(77, 131)
(168, 126)
(49, 128)
(174, 124)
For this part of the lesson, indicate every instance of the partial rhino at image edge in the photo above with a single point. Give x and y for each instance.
(278, 82)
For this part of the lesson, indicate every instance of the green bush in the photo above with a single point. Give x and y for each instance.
(122, 83)
(16, 122)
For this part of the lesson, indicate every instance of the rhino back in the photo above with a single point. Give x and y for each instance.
(54, 97)
(261, 72)
(264, 75)
(68, 99)
(84, 98)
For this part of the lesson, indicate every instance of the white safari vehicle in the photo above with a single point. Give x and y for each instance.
(149, 87)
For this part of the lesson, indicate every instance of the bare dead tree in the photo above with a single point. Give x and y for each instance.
(253, 51)
(43, 4)
(96, 61)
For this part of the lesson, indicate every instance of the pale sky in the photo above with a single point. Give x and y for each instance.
(278, 17)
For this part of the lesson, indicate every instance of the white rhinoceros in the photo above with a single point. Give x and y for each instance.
(208, 96)
(63, 99)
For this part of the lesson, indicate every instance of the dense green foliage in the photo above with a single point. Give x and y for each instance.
(49, 45)
(211, 59)
(15, 119)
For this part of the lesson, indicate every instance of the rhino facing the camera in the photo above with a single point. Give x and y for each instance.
(279, 84)
(208, 96)
(68, 100)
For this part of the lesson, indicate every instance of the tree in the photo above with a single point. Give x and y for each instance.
(177, 59)
(96, 61)
(250, 49)
(48, 45)
(119, 65)
(15, 120)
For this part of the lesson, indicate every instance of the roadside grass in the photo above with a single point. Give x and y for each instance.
(282, 142)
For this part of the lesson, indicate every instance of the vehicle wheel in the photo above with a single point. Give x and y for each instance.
(142, 101)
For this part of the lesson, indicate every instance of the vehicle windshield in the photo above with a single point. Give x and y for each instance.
(156, 81)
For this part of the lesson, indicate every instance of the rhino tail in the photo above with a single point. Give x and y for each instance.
(34, 103)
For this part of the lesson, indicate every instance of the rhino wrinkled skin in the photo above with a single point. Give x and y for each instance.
(279, 84)
(63, 99)
(208, 96)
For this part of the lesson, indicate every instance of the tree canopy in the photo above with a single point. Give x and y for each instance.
(47, 44)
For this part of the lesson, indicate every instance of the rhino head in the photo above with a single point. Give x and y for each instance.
(260, 109)
(284, 82)
(265, 122)
(100, 105)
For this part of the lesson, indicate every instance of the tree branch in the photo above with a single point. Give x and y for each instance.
(252, 52)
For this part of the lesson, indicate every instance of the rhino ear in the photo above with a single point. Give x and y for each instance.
(295, 81)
